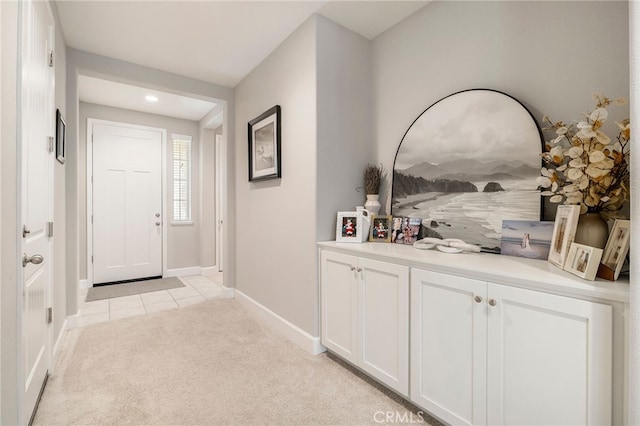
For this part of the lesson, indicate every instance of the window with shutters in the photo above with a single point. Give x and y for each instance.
(181, 179)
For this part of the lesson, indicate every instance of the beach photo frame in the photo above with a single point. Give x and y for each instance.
(349, 227)
(564, 231)
(615, 252)
(524, 238)
(583, 261)
(466, 163)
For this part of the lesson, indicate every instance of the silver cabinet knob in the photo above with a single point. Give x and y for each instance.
(359, 270)
(36, 259)
(353, 268)
(478, 299)
(157, 223)
(157, 214)
(492, 302)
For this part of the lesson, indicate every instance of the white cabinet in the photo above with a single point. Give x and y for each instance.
(484, 353)
(365, 315)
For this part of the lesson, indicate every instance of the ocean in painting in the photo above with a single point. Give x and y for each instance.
(475, 217)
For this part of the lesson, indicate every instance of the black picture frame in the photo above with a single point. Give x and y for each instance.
(264, 145)
(61, 133)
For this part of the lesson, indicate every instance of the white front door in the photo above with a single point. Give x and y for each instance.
(127, 202)
(36, 184)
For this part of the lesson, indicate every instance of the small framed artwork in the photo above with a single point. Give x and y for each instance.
(525, 238)
(349, 227)
(583, 261)
(615, 252)
(396, 229)
(380, 229)
(61, 134)
(410, 230)
(264, 146)
(564, 231)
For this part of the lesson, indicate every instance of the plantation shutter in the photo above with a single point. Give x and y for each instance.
(181, 178)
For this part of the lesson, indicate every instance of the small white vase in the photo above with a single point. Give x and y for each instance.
(372, 204)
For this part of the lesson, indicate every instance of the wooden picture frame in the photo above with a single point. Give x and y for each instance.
(61, 135)
(564, 231)
(350, 227)
(381, 228)
(615, 252)
(264, 145)
(583, 261)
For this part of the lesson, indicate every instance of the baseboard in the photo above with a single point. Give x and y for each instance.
(207, 269)
(83, 284)
(228, 292)
(72, 321)
(60, 339)
(298, 336)
(183, 272)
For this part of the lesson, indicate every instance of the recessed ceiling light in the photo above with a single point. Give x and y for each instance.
(151, 98)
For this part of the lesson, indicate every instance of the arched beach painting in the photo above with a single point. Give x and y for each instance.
(467, 163)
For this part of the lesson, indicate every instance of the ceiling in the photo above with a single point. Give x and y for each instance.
(219, 42)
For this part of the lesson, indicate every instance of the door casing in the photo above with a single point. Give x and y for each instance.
(89, 163)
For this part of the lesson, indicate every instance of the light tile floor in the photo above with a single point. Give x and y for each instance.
(197, 288)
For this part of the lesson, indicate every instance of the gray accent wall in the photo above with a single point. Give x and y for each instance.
(183, 241)
(550, 55)
(320, 76)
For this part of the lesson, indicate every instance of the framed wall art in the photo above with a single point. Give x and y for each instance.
(350, 227)
(615, 252)
(468, 162)
(564, 231)
(523, 238)
(264, 145)
(583, 261)
(61, 135)
(381, 228)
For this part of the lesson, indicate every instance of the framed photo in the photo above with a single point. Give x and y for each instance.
(349, 227)
(61, 133)
(524, 238)
(396, 229)
(583, 261)
(615, 252)
(381, 228)
(264, 146)
(564, 231)
(435, 173)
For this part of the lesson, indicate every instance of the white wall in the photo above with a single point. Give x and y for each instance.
(634, 304)
(275, 235)
(207, 199)
(550, 55)
(183, 241)
(8, 220)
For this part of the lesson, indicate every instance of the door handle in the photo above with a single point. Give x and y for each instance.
(36, 259)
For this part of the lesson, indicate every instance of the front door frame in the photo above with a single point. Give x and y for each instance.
(89, 162)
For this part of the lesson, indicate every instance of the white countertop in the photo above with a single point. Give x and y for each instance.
(518, 271)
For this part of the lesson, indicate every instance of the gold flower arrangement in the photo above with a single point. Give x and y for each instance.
(583, 165)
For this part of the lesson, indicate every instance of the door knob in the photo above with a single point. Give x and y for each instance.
(36, 259)
(25, 231)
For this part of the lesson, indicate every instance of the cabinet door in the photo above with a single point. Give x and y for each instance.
(338, 283)
(549, 359)
(384, 322)
(448, 346)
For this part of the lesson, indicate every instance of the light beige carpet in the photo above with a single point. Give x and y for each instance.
(208, 364)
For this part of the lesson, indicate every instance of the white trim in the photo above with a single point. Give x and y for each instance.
(59, 341)
(72, 321)
(220, 160)
(89, 174)
(84, 284)
(228, 292)
(206, 269)
(298, 336)
(181, 272)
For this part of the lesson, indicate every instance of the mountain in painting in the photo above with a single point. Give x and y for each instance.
(473, 170)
